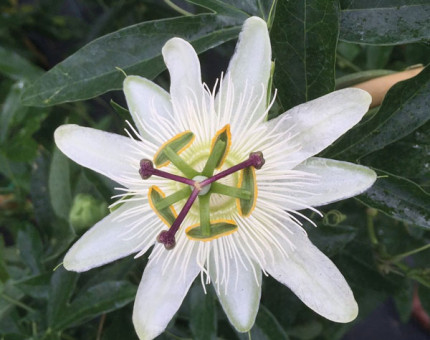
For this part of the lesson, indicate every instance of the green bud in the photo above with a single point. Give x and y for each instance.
(86, 211)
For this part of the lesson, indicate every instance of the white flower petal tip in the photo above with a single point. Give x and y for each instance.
(160, 293)
(249, 68)
(315, 280)
(357, 95)
(107, 153)
(318, 123)
(107, 241)
(147, 102)
(184, 68)
(240, 295)
(336, 180)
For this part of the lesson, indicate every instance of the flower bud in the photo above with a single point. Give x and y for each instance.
(86, 211)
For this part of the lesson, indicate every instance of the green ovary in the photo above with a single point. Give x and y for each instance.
(221, 206)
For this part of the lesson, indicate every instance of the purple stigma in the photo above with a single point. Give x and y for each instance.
(168, 239)
(257, 159)
(147, 169)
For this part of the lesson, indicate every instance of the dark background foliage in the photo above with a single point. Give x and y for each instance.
(59, 58)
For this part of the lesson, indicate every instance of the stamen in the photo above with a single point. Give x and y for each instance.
(173, 198)
(205, 222)
(214, 158)
(179, 163)
(147, 170)
(219, 188)
(167, 237)
(255, 159)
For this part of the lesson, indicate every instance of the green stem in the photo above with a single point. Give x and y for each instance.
(174, 336)
(400, 257)
(214, 158)
(177, 8)
(67, 337)
(173, 198)
(177, 161)
(227, 190)
(371, 227)
(347, 63)
(17, 303)
(205, 222)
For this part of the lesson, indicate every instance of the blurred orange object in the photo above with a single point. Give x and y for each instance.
(378, 87)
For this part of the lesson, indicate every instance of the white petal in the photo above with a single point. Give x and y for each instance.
(238, 289)
(147, 102)
(105, 242)
(160, 295)
(318, 123)
(249, 68)
(314, 278)
(184, 69)
(336, 180)
(106, 153)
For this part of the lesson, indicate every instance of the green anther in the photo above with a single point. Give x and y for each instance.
(219, 188)
(249, 184)
(173, 198)
(223, 135)
(177, 161)
(205, 222)
(178, 144)
(166, 213)
(218, 229)
(214, 158)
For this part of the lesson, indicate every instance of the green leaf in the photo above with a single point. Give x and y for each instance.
(36, 286)
(237, 10)
(17, 125)
(403, 301)
(407, 157)
(358, 264)
(99, 299)
(59, 232)
(16, 172)
(267, 326)
(308, 330)
(386, 25)
(226, 12)
(16, 67)
(424, 294)
(136, 49)
(331, 240)
(63, 284)
(4, 274)
(30, 248)
(11, 107)
(61, 238)
(404, 109)
(122, 112)
(39, 190)
(304, 37)
(59, 185)
(399, 198)
(203, 321)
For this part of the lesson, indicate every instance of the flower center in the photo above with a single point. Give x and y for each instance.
(203, 190)
(200, 185)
